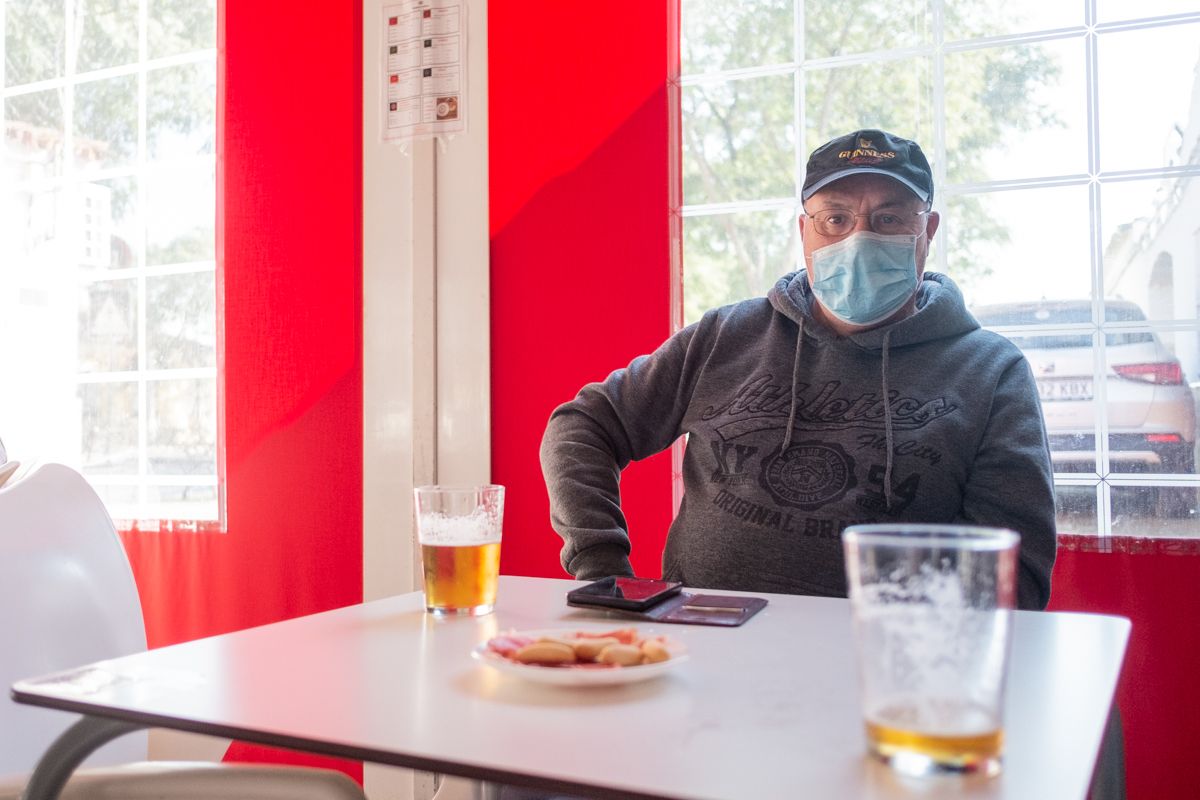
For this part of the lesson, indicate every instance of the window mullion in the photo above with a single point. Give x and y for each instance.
(1096, 253)
(143, 470)
(939, 116)
(800, 119)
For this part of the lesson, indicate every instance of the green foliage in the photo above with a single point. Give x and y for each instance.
(106, 119)
(106, 33)
(179, 99)
(34, 40)
(738, 140)
(181, 110)
(181, 320)
(740, 136)
(180, 26)
(730, 34)
(762, 243)
(192, 245)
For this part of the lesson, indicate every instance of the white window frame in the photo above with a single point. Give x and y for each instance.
(1104, 480)
(141, 515)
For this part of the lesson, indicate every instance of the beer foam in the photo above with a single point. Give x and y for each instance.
(926, 631)
(457, 530)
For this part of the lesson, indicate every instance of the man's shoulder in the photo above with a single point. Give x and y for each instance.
(744, 318)
(755, 309)
(980, 346)
(982, 337)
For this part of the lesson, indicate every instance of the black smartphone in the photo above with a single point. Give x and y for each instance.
(628, 594)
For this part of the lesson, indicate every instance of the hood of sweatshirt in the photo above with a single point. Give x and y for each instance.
(940, 312)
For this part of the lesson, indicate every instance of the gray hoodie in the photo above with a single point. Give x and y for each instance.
(789, 442)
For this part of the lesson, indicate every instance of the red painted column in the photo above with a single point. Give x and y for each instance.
(289, 282)
(289, 279)
(578, 151)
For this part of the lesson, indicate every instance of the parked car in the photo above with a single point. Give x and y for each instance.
(1151, 412)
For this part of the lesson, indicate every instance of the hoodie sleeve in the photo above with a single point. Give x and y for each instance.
(1011, 483)
(634, 413)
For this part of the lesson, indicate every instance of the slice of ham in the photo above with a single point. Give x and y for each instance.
(506, 645)
(622, 635)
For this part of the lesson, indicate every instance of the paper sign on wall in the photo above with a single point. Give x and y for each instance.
(424, 68)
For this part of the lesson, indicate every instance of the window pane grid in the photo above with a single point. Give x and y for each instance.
(149, 375)
(76, 195)
(1110, 186)
(767, 204)
(948, 46)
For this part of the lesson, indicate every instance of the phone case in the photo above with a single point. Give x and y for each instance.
(686, 608)
(603, 594)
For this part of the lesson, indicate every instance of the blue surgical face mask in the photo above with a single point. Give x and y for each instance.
(866, 277)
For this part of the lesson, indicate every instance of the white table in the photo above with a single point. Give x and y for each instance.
(767, 710)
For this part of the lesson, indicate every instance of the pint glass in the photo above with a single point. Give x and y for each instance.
(932, 608)
(458, 528)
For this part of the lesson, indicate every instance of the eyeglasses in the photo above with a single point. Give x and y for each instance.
(888, 222)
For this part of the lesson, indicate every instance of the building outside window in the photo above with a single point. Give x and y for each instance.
(1065, 142)
(107, 255)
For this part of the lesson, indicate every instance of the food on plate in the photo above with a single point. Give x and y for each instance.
(581, 649)
(545, 652)
(623, 655)
(588, 649)
(654, 651)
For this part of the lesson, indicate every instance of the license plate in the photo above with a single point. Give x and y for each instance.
(1065, 389)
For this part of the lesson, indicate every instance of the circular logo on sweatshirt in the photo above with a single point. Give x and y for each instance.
(808, 474)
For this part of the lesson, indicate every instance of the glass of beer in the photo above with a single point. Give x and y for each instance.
(459, 531)
(932, 608)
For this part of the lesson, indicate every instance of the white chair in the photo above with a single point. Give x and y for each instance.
(7, 468)
(68, 598)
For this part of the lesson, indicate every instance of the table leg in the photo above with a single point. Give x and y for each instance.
(454, 788)
(68, 751)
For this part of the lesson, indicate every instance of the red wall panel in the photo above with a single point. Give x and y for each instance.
(289, 221)
(579, 242)
(1154, 583)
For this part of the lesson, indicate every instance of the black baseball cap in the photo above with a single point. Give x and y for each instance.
(870, 151)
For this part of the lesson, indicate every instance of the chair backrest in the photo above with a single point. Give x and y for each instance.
(67, 598)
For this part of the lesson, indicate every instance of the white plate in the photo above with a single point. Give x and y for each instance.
(577, 676)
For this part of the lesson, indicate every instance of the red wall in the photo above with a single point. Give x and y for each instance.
(289, 173)
(580, 266)
(289, 277)
(1156, 583)
(579, 242)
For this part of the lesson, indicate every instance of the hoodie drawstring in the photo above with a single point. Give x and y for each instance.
(887, 422)
(787, 437)
(887, 407)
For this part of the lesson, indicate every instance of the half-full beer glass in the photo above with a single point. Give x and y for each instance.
(459, 531)
(932, 607)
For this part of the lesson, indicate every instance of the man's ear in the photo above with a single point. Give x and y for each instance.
(931, 224)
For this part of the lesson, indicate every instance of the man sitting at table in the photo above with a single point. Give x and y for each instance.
(859, 390)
